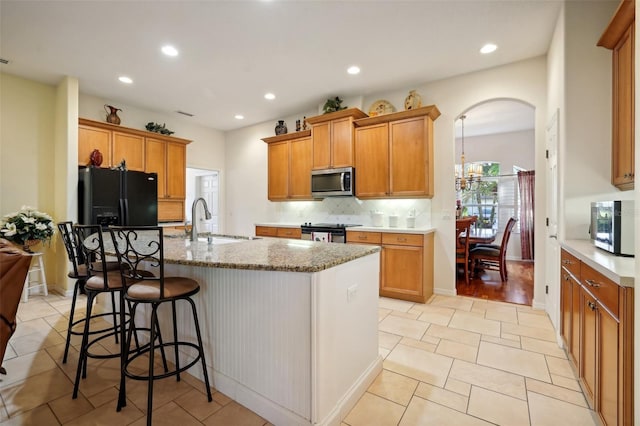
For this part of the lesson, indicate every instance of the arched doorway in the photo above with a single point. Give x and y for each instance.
(499, 142)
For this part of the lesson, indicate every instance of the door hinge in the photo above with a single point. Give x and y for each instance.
(546, 153)
(547, 221)
(546, 289)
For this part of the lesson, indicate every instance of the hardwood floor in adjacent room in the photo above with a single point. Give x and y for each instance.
(487, 285)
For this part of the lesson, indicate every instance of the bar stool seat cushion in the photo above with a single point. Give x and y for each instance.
(173, 287)
(96, 282)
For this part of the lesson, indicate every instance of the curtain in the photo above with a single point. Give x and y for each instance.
(526, 187)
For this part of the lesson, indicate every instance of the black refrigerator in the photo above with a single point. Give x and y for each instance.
(117, 197)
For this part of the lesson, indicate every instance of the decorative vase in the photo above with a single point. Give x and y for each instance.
(26, 246)
(95, 158)
(413, 100)
(112, 114)
(281, 127)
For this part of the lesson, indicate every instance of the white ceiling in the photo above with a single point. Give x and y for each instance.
(233, 52)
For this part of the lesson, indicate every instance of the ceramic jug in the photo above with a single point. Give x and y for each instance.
(281, 127)
(112, 114)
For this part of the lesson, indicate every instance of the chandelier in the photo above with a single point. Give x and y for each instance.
(466, 175)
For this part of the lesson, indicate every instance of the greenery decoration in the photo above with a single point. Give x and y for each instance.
(333, 105)
(26, 225)
(157, 128)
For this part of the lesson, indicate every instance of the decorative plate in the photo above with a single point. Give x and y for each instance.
(381, 107)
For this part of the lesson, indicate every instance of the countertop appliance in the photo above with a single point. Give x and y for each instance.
(333, 182)
(117, 197)
(325, 232)
(612, 226)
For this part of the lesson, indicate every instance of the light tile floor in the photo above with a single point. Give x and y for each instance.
(453, 361)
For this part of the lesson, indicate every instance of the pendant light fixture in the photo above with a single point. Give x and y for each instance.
(466, 176)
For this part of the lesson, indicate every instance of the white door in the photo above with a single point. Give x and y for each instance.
(207, 188)
(552, 269)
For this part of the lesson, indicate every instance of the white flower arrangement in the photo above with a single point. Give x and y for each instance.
(27, 224)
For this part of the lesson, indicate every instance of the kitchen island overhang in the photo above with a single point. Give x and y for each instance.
(290, 327)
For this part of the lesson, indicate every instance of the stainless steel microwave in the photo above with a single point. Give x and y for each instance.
(333, 182)
(612, 226)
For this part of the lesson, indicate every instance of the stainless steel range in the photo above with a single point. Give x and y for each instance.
(325, 232)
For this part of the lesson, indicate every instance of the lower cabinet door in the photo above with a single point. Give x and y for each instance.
(608, 346)
(402, 272)
(589, 342)
(574, 346)
(565, 308)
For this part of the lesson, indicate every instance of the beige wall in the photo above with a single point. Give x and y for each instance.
(27, 140)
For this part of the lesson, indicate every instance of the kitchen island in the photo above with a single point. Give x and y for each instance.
(290, 327)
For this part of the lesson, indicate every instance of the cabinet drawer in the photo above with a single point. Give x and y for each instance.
(570, 263)
(605, 290)
(266, 231)
(364, 237)
(402, 239)
(289, 233)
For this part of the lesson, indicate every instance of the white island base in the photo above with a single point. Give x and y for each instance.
(297, 348)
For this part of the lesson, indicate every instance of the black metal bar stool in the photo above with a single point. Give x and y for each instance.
(80, 274)
(140, 251)
(103, 277)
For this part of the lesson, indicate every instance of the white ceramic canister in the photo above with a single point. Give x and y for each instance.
(393, 220)
(411, 222)
(377, 218)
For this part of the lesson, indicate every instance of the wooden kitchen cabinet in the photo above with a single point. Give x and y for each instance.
(619, 36)
(130, 148)
(406, 263)
(394, 154)
(332, 138)
(142, 151)
(90, 138)
(168, 160)
(289, 159)
(278, 232)
(599, 338)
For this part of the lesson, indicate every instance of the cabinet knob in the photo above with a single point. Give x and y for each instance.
(402, 240)
(362, 237)
(591, 305)
(566, 262)
(565, 277)
(593, 283)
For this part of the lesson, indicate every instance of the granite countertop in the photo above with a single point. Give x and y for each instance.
(620, 270)
(265, 254)
(366, 228)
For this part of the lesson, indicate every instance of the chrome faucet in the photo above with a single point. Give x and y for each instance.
(207, 215)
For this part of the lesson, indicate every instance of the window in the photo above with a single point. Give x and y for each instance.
(482, 198)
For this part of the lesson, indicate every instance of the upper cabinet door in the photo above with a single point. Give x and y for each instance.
(342, 142)
(278, 179)
(176, 170)
(409, 157)
(300, 168)
(156, 162)
(90, 138)
(372, 161)
(129, 148)
(623, 149)
(321, 136)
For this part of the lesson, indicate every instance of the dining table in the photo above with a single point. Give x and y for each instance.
(481, 235)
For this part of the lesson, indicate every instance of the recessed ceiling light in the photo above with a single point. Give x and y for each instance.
(125, 79)
(270, 96)
(353, 70)
(488, 48)
(239, 117)
(169, 50)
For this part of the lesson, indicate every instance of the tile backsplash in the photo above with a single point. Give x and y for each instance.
(351, 210)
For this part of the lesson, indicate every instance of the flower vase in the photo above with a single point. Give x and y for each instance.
(26, 246)
(281, 127)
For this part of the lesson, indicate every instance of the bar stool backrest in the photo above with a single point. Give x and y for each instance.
(71, 245)
(91, 242)
(140, 252)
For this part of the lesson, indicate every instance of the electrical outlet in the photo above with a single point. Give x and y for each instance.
(351, 292)
(447, 214)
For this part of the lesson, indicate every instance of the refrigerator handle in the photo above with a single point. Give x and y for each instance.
(124, 211)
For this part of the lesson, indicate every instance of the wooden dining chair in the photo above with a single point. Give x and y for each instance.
(491, 256)
(463, 226)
